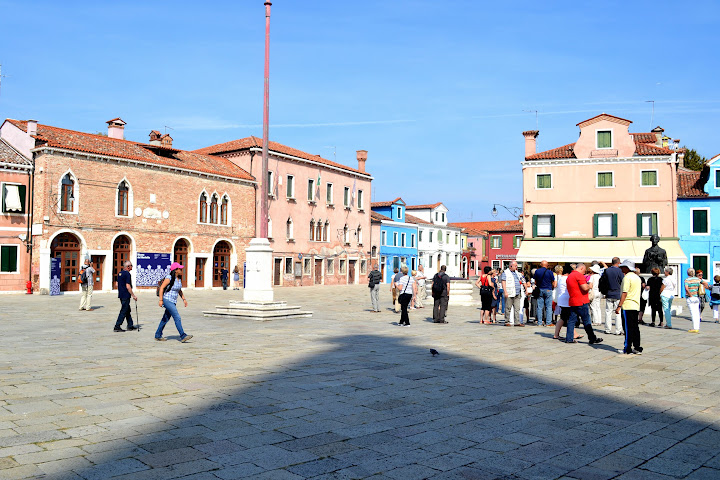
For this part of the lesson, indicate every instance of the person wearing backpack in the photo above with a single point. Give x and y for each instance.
(374, 281)
(611, 282)
(441, 294)
(715, 298)
(168, 292)
(87, 281)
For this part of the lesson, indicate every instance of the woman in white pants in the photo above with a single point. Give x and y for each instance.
(692, 285)
(594, 282)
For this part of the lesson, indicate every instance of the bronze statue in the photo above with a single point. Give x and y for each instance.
(654, 256)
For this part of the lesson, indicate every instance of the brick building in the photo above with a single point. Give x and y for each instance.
(15, 174)
(109, 199)
(319, 212)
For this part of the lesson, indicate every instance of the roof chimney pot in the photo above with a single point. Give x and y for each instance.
(361, 159)
(116, 128)
(32, 127)
(530, 142)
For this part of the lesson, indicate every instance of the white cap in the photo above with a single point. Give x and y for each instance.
(629, 264)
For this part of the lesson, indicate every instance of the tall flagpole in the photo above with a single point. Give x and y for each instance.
(266, 112)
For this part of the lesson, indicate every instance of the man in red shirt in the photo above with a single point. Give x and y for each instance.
(578, 289)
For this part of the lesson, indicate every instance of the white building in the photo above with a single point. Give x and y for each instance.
(438, 243)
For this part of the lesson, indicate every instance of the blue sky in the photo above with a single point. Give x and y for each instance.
(434, 90)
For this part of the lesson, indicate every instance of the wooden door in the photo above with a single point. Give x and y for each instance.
(66, 247)
(98, 263)
(277, 272)
(351, 271)
(200, 272)
(121, 253)
(221, 259)
(318, 271)
(180, 255)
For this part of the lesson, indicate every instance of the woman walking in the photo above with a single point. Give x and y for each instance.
(406, 288)
(654, 286)
(169, 291)
(594, 282)
(667, 294)
(496, 300)
(236, 278)
(487, 293)
(692, 285)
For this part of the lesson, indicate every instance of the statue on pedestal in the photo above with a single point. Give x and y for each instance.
(655, 257)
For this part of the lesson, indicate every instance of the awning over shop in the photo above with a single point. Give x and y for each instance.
(561, 251)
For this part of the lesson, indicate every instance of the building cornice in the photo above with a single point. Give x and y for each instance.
(166, 168)
(599, 161)
(399, 224)
(364, 176)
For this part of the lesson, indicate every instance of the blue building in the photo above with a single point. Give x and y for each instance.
(398, 240)
(698, 210)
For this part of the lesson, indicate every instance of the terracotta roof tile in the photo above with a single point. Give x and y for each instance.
(690, 185)
(647, 149)
(9, 155)
(387, 204)
(492, 226)
(644, 137)
(379, 217)
(644, 145)
(565, 151)
(422, 207)
(112, 147)
(417, 221)
(255, 142)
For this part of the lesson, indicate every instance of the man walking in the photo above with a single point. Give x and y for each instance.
(578, 289)
(125, 292)
(441, 295)
(374, 280)
(614, 278)
(86, 286)
(545, 282)
(630, 305)
(513, 284)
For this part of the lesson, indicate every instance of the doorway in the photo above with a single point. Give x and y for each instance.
(277, 271)
(180, 255)
(382, 269)
(66, 247)
(351, 271)
(318, 271)
(200, 272)
(98, 262)
(221, 259)
(121, 253)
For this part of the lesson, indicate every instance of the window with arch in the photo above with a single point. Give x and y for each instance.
(345, 234)
(123, 199)
(67, 194)
(440, 236)
(214, 209)
(326, 227)
(359, 235)
(203, 208)
(312, 230)
(224, 210)
(289, 229)
(318, 231)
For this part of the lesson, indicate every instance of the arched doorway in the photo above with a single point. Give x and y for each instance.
(180, 255)
(121, 253)
(66, 247)
(221, 259)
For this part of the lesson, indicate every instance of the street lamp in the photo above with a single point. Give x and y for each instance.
(514, 211)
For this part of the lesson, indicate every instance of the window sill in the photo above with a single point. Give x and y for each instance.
(361, 210)
(330, 205)
(347, 208)
(271, 240)
(312, 202)
(290, 240)
(291, 200)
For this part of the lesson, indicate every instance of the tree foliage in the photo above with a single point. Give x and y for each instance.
(693, 160)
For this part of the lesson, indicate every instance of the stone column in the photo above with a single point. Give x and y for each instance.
(258, 283)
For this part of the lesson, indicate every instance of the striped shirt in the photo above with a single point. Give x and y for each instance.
(173, 290)
(692, 284)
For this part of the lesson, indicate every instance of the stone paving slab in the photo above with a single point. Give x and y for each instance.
(346, 394)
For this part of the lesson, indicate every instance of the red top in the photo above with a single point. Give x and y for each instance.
(577, 296)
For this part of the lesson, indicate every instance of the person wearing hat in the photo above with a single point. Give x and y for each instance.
(169, 291)
(630, 306)
(594, 282)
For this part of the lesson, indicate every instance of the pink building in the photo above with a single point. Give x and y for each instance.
(15, 171)
(601, 196)
(319, 212)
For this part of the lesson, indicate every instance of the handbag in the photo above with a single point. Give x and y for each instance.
(701, 289)
(591, 295)
(645, 295)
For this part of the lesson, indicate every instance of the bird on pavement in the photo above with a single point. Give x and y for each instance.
(434, 352)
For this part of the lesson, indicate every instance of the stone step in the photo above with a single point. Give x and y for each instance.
(259, 315)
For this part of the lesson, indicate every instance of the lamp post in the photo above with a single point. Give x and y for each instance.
(266, 113)
(514, 211)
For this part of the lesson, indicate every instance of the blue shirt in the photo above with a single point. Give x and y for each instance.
(615, 279)
(124, 279)
(544, 278)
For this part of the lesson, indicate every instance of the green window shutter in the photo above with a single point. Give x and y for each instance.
(614, 225)
(604, 139)
(499, 242)
(639, 224)
(21, 189)
(700, 221)
(595, 225)
(534, 226)
(654, 229)
(8, 258)
(552, 226)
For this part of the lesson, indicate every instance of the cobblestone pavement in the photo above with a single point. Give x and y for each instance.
(345, 394)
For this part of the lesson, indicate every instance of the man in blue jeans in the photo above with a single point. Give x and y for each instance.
(545, 281)
(125, 292)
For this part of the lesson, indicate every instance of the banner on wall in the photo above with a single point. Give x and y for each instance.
(151, 268)
(55, 274)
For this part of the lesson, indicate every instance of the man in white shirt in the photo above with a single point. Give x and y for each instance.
(513, 284)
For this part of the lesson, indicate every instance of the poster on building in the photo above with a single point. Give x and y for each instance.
(55, 273)
(151, 268)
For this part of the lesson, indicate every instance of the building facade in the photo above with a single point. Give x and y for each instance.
(398, 239)
(492, 243)
(319, 212)
(600, 197)
(15, 181)
(698, 207)
(110, 200)
(438, 242)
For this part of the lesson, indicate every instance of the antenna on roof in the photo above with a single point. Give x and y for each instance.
(166, 129)
(652, 115)
(334, 151)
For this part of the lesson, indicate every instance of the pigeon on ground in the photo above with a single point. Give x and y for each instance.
(434, 352)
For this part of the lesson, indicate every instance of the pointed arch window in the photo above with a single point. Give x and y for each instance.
(359, 235)
(312, 230)
(318, 231)
(289, 229)
(203, 208)
(214, 209)
(123, 199)
(345, 234)
(224, 210)
(326, 227)
(67, 194)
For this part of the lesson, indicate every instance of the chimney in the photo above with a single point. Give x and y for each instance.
(116, 128)
(530, 142)
(676, 144)
(166, 141)
(32, 127)
(361, 158)
(658, 135)
(155, 138)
